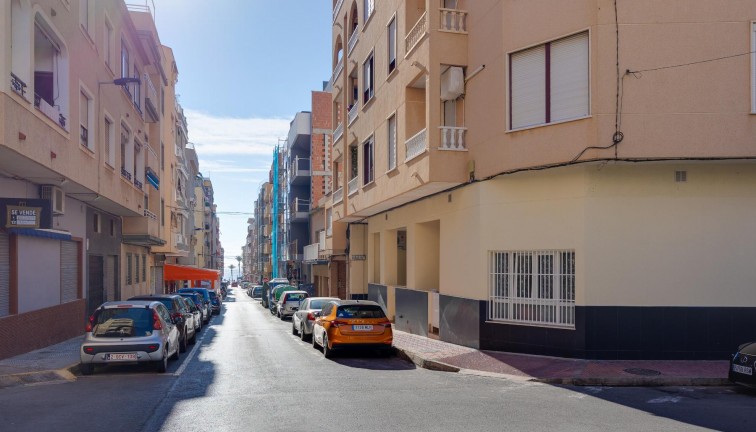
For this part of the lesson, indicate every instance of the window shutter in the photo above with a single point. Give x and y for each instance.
(69, 271)
(569, 78)
(528, 87)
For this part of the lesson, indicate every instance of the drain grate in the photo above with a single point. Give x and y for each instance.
(643, 372)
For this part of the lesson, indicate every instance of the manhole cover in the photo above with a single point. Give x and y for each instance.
(643, 372)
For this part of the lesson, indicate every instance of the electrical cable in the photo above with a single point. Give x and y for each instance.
(637, 73)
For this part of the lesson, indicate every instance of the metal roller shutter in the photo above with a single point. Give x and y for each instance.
(4, 275)
(528, 87)
(69, 271)
(570, 96)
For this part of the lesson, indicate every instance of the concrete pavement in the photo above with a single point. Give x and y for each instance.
(59, 362)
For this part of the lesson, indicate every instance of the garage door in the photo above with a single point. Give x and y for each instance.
(69, 271)
(4, 275)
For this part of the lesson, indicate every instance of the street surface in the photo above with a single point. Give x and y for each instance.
(247, 372)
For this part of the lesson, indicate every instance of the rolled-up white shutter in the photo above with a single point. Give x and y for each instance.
(4, 275)
(569, 78)
(528, 87)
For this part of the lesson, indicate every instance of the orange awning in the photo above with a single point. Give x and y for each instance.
(172, 272)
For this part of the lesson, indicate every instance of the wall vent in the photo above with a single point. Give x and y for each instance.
(681, 176)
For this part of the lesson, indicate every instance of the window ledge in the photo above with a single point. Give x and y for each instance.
(88, 37)
(392, 171)
(89, 152)
(367, 104)
(549, 124)
(109, 166)
(394, 72)
(367, 21)
(369, 184)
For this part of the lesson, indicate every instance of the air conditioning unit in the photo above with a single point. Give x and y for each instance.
(452, 83)
(56, 196)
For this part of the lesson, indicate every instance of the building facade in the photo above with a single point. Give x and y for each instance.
(500, 181)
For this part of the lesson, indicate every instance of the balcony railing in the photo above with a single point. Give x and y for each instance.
(311, 252)
(453, 20)
(337, 8)
(301, 205)
(300, 167)
(337, 70)
(338, 195)
(453, 138)
(52, 112)
(150, 214)
(138, 184)
(417, 33)
(352, 113)
(416, 145)
(353, 186)
(151, 101)
(338, 133)
(18, 86)
(125, 174)
(353, 40)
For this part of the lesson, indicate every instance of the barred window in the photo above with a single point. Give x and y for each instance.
(533, 287)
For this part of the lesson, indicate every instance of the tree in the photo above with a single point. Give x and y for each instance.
(239, 259)
(232, 267)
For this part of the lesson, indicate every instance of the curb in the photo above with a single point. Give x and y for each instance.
(423, 362)
(65, 374)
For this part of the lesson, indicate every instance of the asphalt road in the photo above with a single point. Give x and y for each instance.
(247, 372)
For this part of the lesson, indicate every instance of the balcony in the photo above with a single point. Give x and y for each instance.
(142, 230)
(125, 174)
(353, 40)
(300, 210)
(337, 70)
(18, 86)
(353, 186)
(180, 241)
(453, 138)
(336, 9)
(338, 133)
(352, 113)
(138, 184)
(300, 171)
(416, 145)
(151, 101)
(416, 35)
(52, 112)
(338, 195)
(453, 21)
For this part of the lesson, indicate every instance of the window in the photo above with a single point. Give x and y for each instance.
(107, 44)
(353, 161)
(450, 113)
(51, 94)
(392, 45)
(85, 113)
(368, 159)
(125, 153)
(112, 228)
(550, 83)
(96, 223)
(392, 142)
(124, 61)
(136, 93)
(329, 222)
(128, 269)
(136, 271)
(86, 14)
(162, 212)
(144, 268)
(533, 287)
(368, 8)
(367, 79)
(109, 145)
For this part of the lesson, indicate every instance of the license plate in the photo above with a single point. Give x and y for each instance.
(131, 356)
(362, 327)
(742, 369)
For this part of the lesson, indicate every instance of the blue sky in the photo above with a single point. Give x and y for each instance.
(245, 68)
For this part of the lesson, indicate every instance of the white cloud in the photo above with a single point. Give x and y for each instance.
(225, 166)
(234, 136)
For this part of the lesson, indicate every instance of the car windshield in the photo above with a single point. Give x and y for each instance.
(360, 311)
(123, 322)
(296, 297)
(318, 304)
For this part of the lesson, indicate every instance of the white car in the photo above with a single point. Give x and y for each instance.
(130, 332)
(289, 303)
(303, 319)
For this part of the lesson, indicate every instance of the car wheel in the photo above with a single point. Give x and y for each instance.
(182, 344)
(176, 354)
(162, 365)
(293, 328)
(86, 368)
(301, 332)
(314, 343)
(327, 352)
(193, 340)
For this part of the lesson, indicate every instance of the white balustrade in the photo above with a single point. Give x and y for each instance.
(354, 185)
(453, 20)
(338, 195)
(311, 252)
(416, 34)
(337, 8)
(352, 113)
(453, 138)
(417, 144)
(337, 70)
(339, 132)
(353, 40)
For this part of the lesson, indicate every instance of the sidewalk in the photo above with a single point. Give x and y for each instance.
(437, 355)
(52, 364)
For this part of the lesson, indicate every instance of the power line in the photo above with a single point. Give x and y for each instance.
(634, 72)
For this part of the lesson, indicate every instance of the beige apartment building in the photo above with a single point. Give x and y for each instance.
(561, 178)
(82, 125)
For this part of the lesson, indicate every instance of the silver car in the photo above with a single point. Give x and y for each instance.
(309, 310)
(129, 332)
(289, 303)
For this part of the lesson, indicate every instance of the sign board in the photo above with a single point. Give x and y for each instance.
(25, 213)
(359, 257)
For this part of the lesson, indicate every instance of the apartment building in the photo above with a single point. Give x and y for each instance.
(571, 179)
(81, 115)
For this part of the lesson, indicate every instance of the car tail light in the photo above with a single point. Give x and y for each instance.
(310, 316)
(152, 348)
(90, 323)
(156, 324)
(89, 350)
(338, 323)
(386, 324)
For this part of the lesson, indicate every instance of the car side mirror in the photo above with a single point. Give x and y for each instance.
(175, 320)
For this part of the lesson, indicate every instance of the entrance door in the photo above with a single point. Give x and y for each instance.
(95, 286)
(341, 280)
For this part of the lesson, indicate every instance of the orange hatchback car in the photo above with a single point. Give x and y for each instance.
(352, 324)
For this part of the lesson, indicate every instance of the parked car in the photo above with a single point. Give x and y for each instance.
(352, 324)
(255, 291)
(276, 296)
(215, 302)
(130, 331)
(181, 315)
(289, 303)
(205, 293)
(196, 312)
(268, 288)
(200, 304)
(304, 318)
(742, 365)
